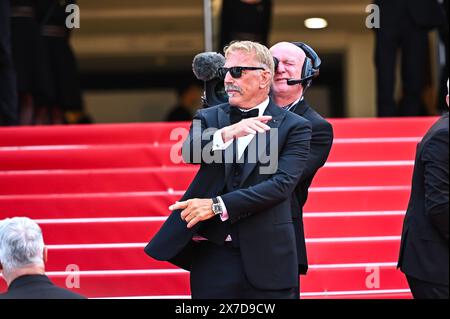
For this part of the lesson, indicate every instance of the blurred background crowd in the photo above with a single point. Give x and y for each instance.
(130, 61)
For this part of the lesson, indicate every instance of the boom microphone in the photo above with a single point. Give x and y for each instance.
(206, 65)
(206, 68)
(301, 81)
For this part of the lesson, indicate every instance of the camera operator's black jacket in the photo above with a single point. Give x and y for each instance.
(320, 146)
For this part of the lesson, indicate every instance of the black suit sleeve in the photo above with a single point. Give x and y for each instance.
(291, 164)
(199, 142)
(321, 142)
(435, 157)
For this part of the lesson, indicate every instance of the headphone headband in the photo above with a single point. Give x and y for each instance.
(311, 66)
(310, 53)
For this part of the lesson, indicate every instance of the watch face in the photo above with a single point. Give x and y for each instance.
(216, 208)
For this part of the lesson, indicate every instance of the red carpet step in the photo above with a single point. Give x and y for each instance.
(143, 155)
(176, 282)
(163, 179)
(145, 204)
(160, 133)
(142, 229)
(129, 256)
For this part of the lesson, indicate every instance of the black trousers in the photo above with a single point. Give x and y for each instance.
(8, 94)
(427, 290)
(217, 273)
(413, 45)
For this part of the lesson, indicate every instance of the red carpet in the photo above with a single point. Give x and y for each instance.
(101, 192)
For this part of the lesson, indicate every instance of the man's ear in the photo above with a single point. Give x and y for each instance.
(45, 255)
(266, 79)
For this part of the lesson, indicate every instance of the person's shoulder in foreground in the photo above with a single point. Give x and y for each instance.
(37, 287)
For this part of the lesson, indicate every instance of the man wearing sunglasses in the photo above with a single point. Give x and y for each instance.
(233, 227)
(294, 64)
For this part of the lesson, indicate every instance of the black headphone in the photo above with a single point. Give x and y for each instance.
(311, 67)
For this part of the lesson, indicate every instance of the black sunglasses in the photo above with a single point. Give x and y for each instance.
(236, 71)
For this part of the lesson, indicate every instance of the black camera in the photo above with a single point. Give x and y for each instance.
(215, 93)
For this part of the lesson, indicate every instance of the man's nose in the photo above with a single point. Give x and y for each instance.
(281, 68)
(228, 78)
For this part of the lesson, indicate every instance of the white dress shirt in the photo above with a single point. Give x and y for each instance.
(242, 143)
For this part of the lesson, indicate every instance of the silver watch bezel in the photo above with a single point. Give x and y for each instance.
(217, 208)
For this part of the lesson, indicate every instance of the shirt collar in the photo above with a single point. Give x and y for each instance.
(290, 106)
(261, 107)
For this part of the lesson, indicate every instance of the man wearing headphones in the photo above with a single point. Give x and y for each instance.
(298, 64)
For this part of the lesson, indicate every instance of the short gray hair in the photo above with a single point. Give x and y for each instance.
(261, 52)
(21, 243)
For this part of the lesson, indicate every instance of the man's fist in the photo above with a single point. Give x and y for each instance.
(246, 127)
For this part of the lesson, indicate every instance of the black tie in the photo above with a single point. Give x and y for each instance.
(237, 115)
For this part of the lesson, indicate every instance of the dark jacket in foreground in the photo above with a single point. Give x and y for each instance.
(37, 287)
(424, 247)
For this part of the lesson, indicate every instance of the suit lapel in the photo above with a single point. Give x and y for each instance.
(224, 120)
(301, 107)
(223, 115)
(277, 117)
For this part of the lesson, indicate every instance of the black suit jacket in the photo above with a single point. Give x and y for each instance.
(37, 287)
(321, 142)
(426, 14)
(260, 209)
(424, 246)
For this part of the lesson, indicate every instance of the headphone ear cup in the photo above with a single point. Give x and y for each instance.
(307, 69)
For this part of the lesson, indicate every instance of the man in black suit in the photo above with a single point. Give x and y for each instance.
(233, 227)
(8, 95)
(404, 25)
(424, 246)
(22, 258)
(292, 63)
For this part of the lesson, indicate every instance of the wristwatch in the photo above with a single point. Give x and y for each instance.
(216, 206)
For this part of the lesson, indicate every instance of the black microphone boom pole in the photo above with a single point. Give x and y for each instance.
(300, 81)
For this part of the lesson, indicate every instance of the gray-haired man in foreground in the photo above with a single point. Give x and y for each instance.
(22, 259)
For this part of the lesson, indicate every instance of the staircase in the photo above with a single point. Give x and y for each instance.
(101, 192)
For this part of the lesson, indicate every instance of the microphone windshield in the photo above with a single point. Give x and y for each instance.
(205, 65)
